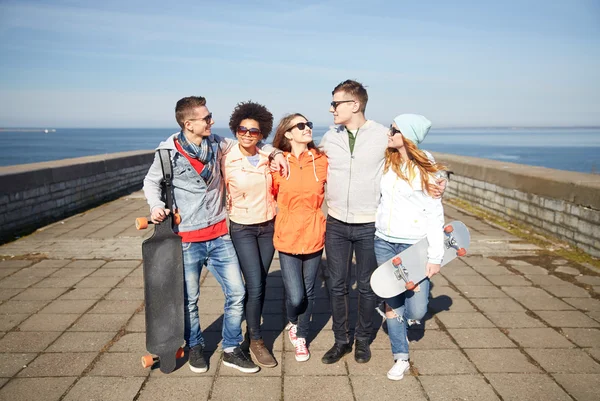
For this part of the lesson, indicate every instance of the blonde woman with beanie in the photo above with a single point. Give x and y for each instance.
(407, 213)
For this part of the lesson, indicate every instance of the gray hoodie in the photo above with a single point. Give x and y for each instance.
(353, 180)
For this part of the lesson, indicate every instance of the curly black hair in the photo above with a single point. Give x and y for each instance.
(252, 111)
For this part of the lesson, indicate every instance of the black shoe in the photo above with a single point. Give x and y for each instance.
(196, 359)
(240, 361)
(336, 353)
(362, 351)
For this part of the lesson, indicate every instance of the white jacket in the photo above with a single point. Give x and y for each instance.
(406, 214)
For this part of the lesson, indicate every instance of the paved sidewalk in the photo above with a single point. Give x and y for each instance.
(505, 324)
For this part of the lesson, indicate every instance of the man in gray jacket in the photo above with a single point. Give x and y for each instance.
(355, 149)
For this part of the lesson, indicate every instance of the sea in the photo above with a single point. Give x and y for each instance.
(573, 149)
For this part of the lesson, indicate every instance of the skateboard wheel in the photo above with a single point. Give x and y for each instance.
(177, 218)
(410, 286)
(448, 229)
(180, 353)
(397, 261)
(461, 252)
(141, 223)
(147, 361)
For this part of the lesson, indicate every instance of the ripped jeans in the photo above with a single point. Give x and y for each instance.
(408, 305)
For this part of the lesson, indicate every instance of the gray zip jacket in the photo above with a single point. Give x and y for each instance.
(353, 180)
(200, 205)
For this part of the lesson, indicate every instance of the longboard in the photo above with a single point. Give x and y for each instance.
(407, 269)
(163, 295)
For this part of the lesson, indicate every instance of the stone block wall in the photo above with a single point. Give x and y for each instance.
(561, 203)
(33, 195)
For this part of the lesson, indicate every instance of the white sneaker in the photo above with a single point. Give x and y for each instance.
(397, 371)
(302, 353)
(292, 332)
(412, 322)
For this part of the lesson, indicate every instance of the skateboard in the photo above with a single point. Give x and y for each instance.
(407, 269)
(163, 294)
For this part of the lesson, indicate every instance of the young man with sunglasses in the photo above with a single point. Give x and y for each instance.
(198, 194)
(355, 149)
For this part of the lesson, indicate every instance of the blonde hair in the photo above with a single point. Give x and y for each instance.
(417, 160)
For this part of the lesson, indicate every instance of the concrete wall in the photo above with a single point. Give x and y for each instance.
(32, 195)
(562, 203)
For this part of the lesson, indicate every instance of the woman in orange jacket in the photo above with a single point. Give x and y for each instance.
(300, 223)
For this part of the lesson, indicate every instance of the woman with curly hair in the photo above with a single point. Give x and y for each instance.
(407, 212)
(300, 223)
(251, 209)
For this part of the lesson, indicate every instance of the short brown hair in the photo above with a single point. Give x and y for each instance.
(281, 142)
(354, 89)
(185, 106)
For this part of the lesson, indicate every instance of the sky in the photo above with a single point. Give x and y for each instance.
(76, 64)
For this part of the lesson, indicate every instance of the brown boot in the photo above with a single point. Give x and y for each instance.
(261, 355)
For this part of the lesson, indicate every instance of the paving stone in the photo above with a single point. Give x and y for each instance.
(85, 293)
(98, 322)
(110, 389)
(18, 282)
(68, 306)
(472, 291)
(125, 307)
(98, 282)
(131, 294)
(70, 272)
(81, 342)
(13, 306)
(567, 319)
(7, 293)
(464, 320)
(594, 315)
(314, 366)
(426, 339)
(51, 263)
(436, 362)
(89, 264)
(459, 270)
(489, 271)
(57, 282)
(445, 303)
(10, 320)
(112, 272)
(481, 338)
(590, 280)
(59, 364)
(213, 359)
(583, 387)
(36, 389)
(539, 338)
(513, 320)
(247, 388)
(536, 298)
(119, 364)
(594, 353)
(130, 342)
(7, 272)
(566, 291)
(137, 323)
(501, 361)
(530, 269)
(121, 264)
(519, 387)
(11, 363)
(380, 388)
(295, 388)
(132, 282)
(564, 360)
(463, 387)
(512, 280)
(31, 272)
(479, 261)
(445, 291)
(39, 294)
(497, 305)
(584, 337)
(585, 304)
(14, 263)
(48, 322)
(26, 342)
(438, 279)
(471, 280)
(546, 279)
(571, 271)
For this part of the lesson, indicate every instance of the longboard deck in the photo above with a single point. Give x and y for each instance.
(164, 294)
(387, 282)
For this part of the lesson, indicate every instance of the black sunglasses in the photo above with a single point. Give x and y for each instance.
(394, 131)
(252, 131)
(335, 104)
(207, 119)
(301, 126)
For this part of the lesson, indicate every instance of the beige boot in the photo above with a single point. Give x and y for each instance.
(261, 355)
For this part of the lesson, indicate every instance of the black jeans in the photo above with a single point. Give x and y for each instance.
(341, 241)
(254, 247)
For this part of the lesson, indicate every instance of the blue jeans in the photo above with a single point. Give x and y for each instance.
(254, 247)
(408, 305)
(220, 259)
(299, 273)
(341, 241)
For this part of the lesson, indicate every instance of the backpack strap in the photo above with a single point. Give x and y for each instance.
(167, 169)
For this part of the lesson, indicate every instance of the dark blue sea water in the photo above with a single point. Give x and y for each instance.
(575, 149)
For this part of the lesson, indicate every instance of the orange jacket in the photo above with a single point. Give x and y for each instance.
(300, 223)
